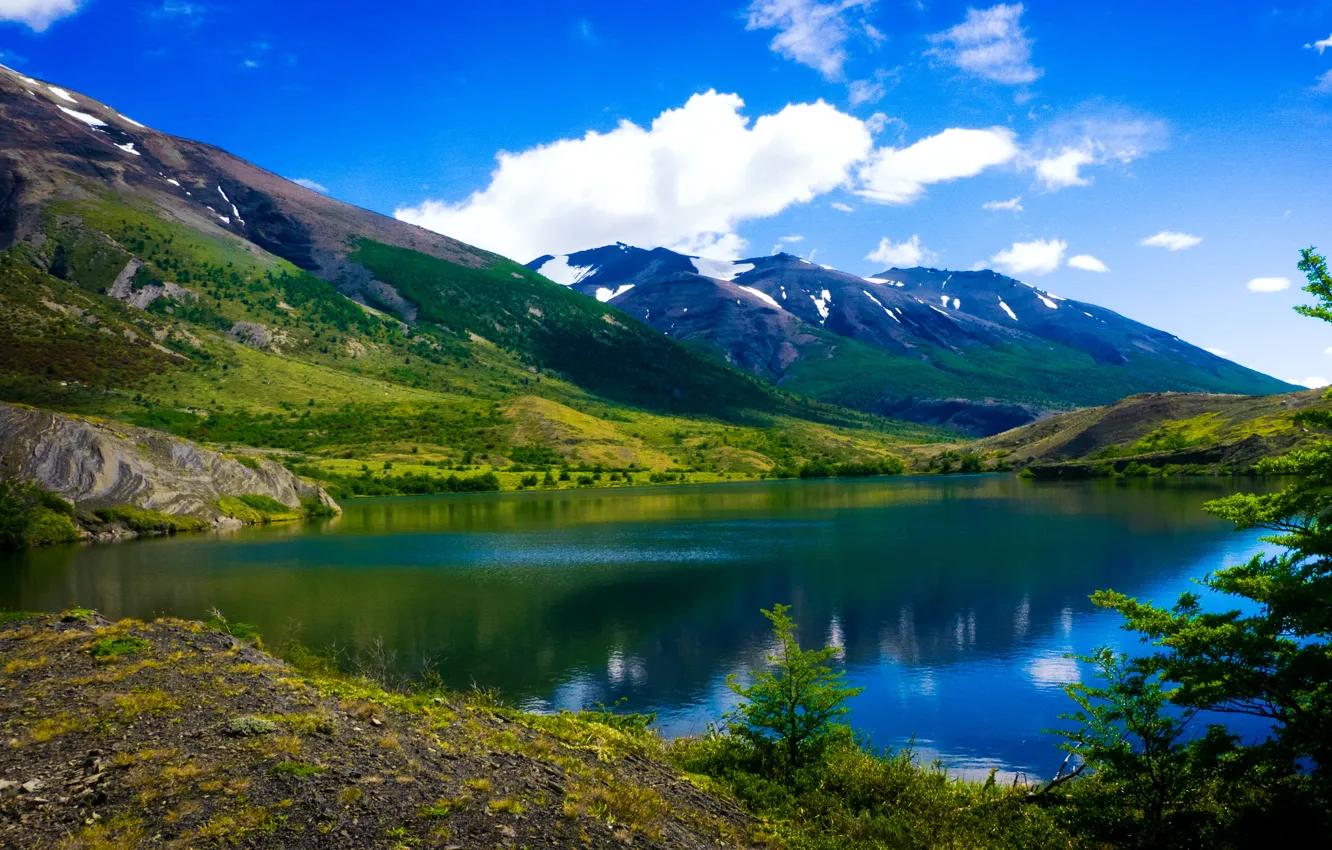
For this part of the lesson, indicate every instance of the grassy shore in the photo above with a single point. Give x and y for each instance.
(181, 734)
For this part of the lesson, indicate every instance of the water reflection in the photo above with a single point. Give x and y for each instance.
(952, 601)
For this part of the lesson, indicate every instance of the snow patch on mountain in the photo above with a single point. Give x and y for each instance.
(1008, 310)
(1047, 302)
(720, 269)
(890, 313)
(821, 304)
(762, 296)
(604, 294)
(62, 94)
(559, 270)
(90, 120)
(128, 147)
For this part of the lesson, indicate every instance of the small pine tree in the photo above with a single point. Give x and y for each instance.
(1133, 739)
(791, 709)
(549, 480)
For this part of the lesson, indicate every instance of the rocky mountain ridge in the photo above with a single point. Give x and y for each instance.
(784, 318)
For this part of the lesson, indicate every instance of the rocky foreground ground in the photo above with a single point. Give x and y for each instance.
(174, 734)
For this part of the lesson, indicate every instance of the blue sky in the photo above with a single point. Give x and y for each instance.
(867, 128)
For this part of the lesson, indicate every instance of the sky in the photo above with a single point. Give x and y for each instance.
(1137, 155)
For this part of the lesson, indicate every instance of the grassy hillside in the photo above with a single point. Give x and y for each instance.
(1159, 432)
(503, 372)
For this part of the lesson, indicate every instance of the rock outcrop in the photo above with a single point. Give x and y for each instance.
(98, 464)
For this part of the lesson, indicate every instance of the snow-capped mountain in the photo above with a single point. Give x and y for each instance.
(933, 344)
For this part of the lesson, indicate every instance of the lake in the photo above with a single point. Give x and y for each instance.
(954, 600)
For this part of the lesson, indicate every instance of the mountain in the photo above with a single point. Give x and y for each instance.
(169, 284)
(1154, 431)
(973, 349)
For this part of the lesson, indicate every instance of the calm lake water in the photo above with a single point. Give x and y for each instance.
(955, 600)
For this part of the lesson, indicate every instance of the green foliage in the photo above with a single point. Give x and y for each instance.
(248, 727)
(790, 711)
(294, 768)
(856, 798)
(245, 632)
(406, 484)
(1135, 741)
(823, 468)
(114, 647)
(149, 522)
(7, 617)
(952, 461)
(1261, 643)
(31, 516)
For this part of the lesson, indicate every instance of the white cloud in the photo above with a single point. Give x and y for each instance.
(809, 32)
(1313, 382)
(1323, 85)
(1040, 256)
(1322, 44)
(860, 92)
(1064, 169)
(685, 182)
(37, 14)
(1171, 240)
(787, 240)
(878, 122)
(1217, 351)
(310, 184)
(1268, 284)
(903, 255)
(990, 43)
(1011, 205)
(1087, 263)
(1061, 152)
(900, 175)
(838, 205)
(865, 91)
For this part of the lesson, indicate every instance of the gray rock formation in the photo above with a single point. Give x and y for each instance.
(97, 464)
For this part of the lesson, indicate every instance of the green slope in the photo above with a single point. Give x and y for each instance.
(502, 371)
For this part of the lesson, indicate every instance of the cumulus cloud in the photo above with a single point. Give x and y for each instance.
(37, 14)
(1040, 256)
(1321, 44)
(1010, 205)
(1268, 284)
(1312, 382)
(1171, 240)
(838, 205)
(902, 255)
(1061, 152)
(1323, 85)
(685, 182)
(1087, 263)
(900, 175)
(991, 44)
(311, 185)
(810, 32)
(1217, 351)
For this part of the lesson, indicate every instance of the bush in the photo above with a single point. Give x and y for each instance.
(790, 712)
(31, 516)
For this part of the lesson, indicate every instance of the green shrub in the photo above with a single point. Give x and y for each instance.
(791, 711)
(31, 516)
(113, 647)
(149, 522)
